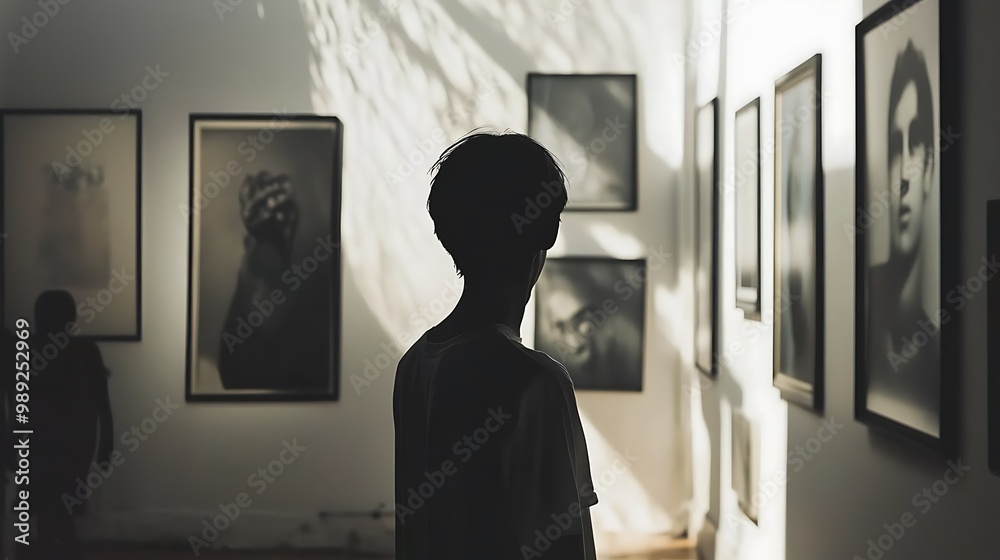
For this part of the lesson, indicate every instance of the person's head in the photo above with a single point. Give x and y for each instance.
(495, 201)
(910, 150)
(54, 310)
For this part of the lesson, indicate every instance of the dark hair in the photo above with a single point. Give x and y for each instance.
(911, 67)
(495, 200)
(54, 309)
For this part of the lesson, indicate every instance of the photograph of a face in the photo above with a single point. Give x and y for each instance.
(264, 309)
(798, 236)
(588, 121)
(899, 219)
(589, 316)
(748, 209)
(745, 464)
(706, 243)
(71, 217)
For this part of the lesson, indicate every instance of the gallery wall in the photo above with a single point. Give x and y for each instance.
(406, 78)
(830, 486)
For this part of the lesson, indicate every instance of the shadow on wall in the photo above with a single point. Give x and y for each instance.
(412, 76)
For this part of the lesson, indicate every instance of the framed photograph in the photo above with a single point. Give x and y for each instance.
(590, 316)
(706, 286)
(798, 236)
(993, 336)
(746, 464)
(906, 232)
(264, 258)
(588, 121)
(71, 217)
(747, 228)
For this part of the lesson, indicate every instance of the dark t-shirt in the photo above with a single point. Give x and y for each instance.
(490, 451)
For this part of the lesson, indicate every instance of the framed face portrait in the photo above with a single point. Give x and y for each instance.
(904, 226)
(589, 316)
(706, 287)
(71, 216)
(588, 121)
(747, 228)
(798, 236)
(264, 281)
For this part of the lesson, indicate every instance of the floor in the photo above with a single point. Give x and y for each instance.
(665, 549)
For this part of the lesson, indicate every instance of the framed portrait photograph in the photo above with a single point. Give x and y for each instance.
(590, 316)
(706, 287)
(906, 233)
(588, 121)
(747, 242)
(798, 236)
(71, 217)
(264, 305)
(746, 464)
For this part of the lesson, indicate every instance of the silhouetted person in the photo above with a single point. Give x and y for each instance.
(490, 450)
(905, 379)
(71, 419)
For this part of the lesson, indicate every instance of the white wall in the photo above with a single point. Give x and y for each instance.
(829, 506)
(423, 74)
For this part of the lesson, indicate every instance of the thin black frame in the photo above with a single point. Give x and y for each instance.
(642, 263)
(751, 309)
(992, 338)
(794, 390)
(336, 263)
(949, 107)
(121, 113)
(713, 281)
(634, 187)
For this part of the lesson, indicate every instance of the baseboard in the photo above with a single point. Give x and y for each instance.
(706, 539)
(250, 530)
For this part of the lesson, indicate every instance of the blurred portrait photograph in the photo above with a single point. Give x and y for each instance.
(798, 237)
(899, 213)
(589, 123)
(748, 209)
(71, 219)
(264, 310)
(706, 169)
(589, 316)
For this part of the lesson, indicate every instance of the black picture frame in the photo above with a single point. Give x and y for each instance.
(617, 300)
(107, 125)
(632, 165)
(993, 338)
(706, 232)
(948, 105)
(748, 298)
(791, 387)
(242, 120)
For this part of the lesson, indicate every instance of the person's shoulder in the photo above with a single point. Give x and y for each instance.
(539, 370)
